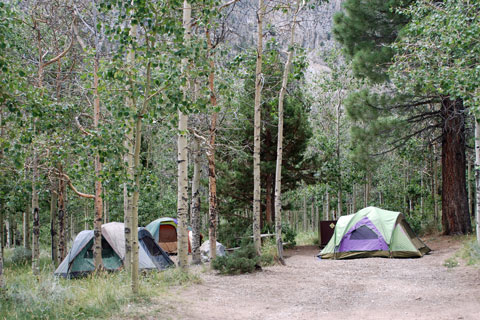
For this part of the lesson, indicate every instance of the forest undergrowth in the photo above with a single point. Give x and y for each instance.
(45, 296)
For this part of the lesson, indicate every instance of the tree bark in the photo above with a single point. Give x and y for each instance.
(128, 159)
(304, 211)
(26, 228)
(8, 230)
(312, 214)
(471, 207)
(212, 179)
(85, 227)
(455, 216)
(35, 212)
(195, 206)
(182, 156)
(53, 222)
(257, 131)
(339, 191)
(269, 195)
(477, 177)
(97, 251)
(354, 198)
(405, 194)
(62, 251)
(421, 194)
(327, 206)
(136, 195)
(1, 243)
(434, 186)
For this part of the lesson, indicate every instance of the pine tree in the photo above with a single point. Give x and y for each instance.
(386, 119)
(234, 183)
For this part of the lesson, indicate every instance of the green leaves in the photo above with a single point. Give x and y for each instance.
(438, 50)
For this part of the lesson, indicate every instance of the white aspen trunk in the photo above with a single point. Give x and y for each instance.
(1, 210)
(421, 194)
(212, 179)
(72, 227)
(85, 227)
(477, 177)
(62, 251)
(327, 207)
(129, 161)
(339, 191)
(257, 130)
(278, 168)
(195, 206)
(35, 209)
(182, 156)
(136, 195)
(312, 214)
(97, 251)
(26, 228)
(1, 242)
(405, 204)
(304, 212)
(354, 198)
(469, 189)
(105, 206)
(8, 230)
(35, 214)
(434, 191)
(53, 223)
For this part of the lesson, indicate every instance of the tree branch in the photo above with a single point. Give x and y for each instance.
(82, 129)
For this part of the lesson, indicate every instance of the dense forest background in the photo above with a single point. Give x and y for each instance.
(380, 110)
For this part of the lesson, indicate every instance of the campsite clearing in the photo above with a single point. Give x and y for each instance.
(371, 288)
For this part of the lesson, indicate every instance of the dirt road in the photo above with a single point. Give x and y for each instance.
(373, 288)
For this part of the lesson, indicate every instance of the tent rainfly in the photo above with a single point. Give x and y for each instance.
(373, 232)
(79, 260)
(164, 231)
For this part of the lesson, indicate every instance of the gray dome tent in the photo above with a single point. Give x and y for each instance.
(79, 260)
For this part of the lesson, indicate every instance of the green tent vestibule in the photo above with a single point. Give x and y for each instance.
(373, 232)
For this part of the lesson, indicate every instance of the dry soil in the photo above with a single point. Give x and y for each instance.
(308, 288)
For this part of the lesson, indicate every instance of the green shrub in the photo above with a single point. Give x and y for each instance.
(289, 235)
(243, 260)
(19, 256)
(230, 234)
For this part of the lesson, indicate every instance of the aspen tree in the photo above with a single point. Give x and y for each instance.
(278, 169)
(182, 155)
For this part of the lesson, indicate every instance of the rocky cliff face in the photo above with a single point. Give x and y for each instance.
(314, 32)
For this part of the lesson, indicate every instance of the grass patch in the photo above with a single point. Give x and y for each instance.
(26, 296)
(470, 252)
(269, 253)
(451, 263)
(307, 239)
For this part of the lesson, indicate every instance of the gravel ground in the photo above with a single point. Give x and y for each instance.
(307, 288)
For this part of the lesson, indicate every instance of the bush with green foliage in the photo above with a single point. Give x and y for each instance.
(289, 235)
(232, 231)
(243, 260)
(19, 256)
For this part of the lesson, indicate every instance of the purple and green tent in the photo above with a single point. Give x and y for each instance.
(373, 232)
